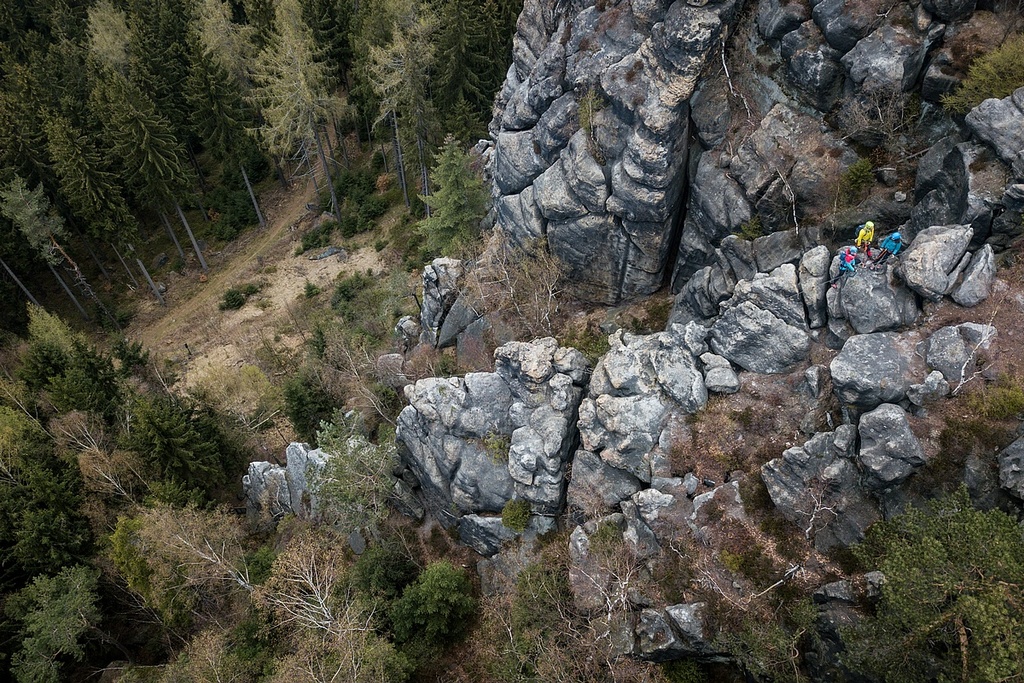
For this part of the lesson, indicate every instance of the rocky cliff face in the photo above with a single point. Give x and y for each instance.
(639, 137)
(592, 131)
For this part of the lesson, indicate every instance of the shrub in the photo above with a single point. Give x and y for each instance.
(372, 208)
(306, 404)
(855, 181)
(354, 185)
(996, 74)
(496, 446)
(310, 290)
(950, 604)
(751, 230)
(516, 515)
(319, 236)
(383, 571)
(436, 609)
(232, 300)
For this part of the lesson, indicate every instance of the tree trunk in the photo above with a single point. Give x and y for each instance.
(312, 171)
(195, 164)
(195, 245)
(18, 282)
(424, 174)
(399, 162)
(280, 174)
(252, 196)
(128, 270)
(174, 238)
(156, 292)
(92, 253)
(327, 174)
(67, 290)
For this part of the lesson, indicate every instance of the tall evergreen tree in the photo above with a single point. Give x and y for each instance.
(459, 200)
(294, 89)
(92, 190)
(217, 109)
(142, 139)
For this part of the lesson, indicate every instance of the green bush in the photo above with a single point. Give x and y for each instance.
(436, 609)
(950, 606)
(996, 74)
(307, 404)
(383, 571)
(372, 208)
(354, 185)
(319, 237)
(751, 230)
(232, 300)
(516, 515)
(855, 181)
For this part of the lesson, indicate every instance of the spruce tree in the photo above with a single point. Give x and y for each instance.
(458, 203)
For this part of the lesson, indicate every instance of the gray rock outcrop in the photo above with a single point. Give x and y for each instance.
(953, 350)
(1000, 123)
(933, 262)
(872, 301)
(763, 327)
(473, 443)
(608, 200)
(442, 281)
(889, 451)
(1011, 469)
(817, 487)
(635, 389)
(977, 278)
(870, 370)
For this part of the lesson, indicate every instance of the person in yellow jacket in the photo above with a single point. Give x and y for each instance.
(865, 237)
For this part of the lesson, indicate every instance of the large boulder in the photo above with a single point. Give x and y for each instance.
(814, 278)
(845, 22)
(763, 327)
(953, 350)
(442, 284)
(816, 486)
(887, 60)
(473, 443)
(889, 451)
(950, 10)
(872, 301)
(812, 66)
(1000, 123)
(1011, 469)
(267, 498)
(977, 279)
(934, 261)
(634, 390)
(871, 369)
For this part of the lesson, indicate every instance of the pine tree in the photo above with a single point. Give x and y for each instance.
(293, 90)
(142, 139)
(92, 190)
(459, 200)
(217, 110)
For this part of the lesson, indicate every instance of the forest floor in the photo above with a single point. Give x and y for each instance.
(193, 339)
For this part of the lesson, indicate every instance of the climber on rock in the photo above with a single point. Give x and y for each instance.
(890, 246)
(865, 236)
(847, 265)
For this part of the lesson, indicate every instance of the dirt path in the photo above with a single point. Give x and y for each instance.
(194, 336)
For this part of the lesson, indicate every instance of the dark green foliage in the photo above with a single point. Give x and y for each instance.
(541, 592)
(856, 180)
(384, 571)
(349, 291)
(354, 185)
(373, 207)
(183, 442)
(232, 211)
(88, 382)
(684, 671)
(950, 607)
(307, 404)
(259, 563)
(458, 203)
(310, 290)
(41, 526)
(56, 613)
(436, 609)
(516, 515)
(318, 237)
(236, 297)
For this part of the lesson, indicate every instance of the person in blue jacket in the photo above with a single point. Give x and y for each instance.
(847, 265)
(890, 246)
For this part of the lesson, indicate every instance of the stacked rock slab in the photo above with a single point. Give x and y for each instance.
(271, 491)
(591, 134)
(470, 444)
